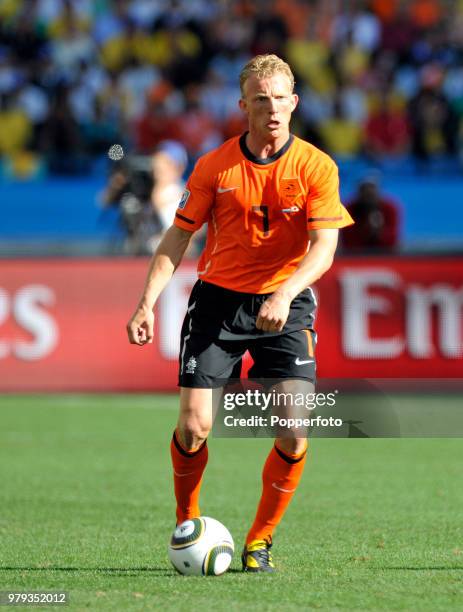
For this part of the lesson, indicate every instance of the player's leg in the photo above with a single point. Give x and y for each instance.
(278, 358)
(205, 362)
(189, 449)
(280, 479)
(281, 476)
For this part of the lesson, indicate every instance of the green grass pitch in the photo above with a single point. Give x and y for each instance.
(86, 506)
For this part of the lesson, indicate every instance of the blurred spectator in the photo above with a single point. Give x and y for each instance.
(435, 127)
(376, 219)
(353, 100)
(270, 32)
(426, 13)
(61, 140)
(218, 98)
(387, 130)
(168, 164)
(235, 125)
(350, 60)
(198, 129)
(134, 80)
(309, 57)
(71, 45)
(15, 126)
(26, 41)
(399, 33)
(157, 122)
(359, 24)
(110, 24)
(99, 132)
(385, 9)
(341, 136)
(11, 75)
(381, 72)
(114, 101)
(295, 14)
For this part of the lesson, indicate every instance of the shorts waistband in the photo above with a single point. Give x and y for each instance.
(230, 292)
(239, 294)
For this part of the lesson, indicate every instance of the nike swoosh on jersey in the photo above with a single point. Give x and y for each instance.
(225, 189)
(298, 361)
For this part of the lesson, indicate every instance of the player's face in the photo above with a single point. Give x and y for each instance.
(268, 103)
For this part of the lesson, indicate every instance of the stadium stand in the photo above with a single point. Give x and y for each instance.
(381, 86)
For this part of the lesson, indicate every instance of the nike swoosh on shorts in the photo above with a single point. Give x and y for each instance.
(298, 361)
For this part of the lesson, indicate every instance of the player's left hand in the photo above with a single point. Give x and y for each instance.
(273, 313)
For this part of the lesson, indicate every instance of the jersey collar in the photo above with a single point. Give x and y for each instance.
(267, 160)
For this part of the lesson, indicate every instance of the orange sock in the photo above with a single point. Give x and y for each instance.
(188, 472)
(280, 477)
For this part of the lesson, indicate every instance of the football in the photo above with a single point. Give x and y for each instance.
(201, 547)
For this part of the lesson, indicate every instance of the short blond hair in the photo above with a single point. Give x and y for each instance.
(263, 66)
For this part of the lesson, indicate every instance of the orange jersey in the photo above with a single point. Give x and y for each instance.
(259, 211)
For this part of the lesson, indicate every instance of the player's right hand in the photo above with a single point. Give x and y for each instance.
(140, 328)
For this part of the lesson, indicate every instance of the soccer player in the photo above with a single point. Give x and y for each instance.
(272, 205)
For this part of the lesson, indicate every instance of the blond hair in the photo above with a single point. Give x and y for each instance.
(264, 66)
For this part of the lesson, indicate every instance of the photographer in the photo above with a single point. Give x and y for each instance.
(147, 191)
(377, 219)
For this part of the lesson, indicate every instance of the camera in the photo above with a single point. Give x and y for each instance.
(139, 177)
(131, 191)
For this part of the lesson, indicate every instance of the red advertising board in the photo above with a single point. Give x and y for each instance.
(62, 322)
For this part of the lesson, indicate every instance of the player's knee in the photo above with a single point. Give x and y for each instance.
(292, 446)
(195, 420)
(192, 435)
(193, 429)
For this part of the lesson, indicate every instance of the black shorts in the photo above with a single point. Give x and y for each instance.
(220, 326)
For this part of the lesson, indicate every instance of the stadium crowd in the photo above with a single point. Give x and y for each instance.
(381, 78)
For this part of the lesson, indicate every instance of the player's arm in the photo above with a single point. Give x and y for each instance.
(316, 262)
(275, 310)
(192, 212)
(163, 264)
(325, 216)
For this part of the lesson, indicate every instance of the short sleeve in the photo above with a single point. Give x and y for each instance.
(324, 208)
(196, 201)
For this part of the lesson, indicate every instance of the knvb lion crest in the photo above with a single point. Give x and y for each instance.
(191, 365)
(290, 190)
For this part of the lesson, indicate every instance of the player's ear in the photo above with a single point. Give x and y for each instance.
(242, 104)
(295, 100)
